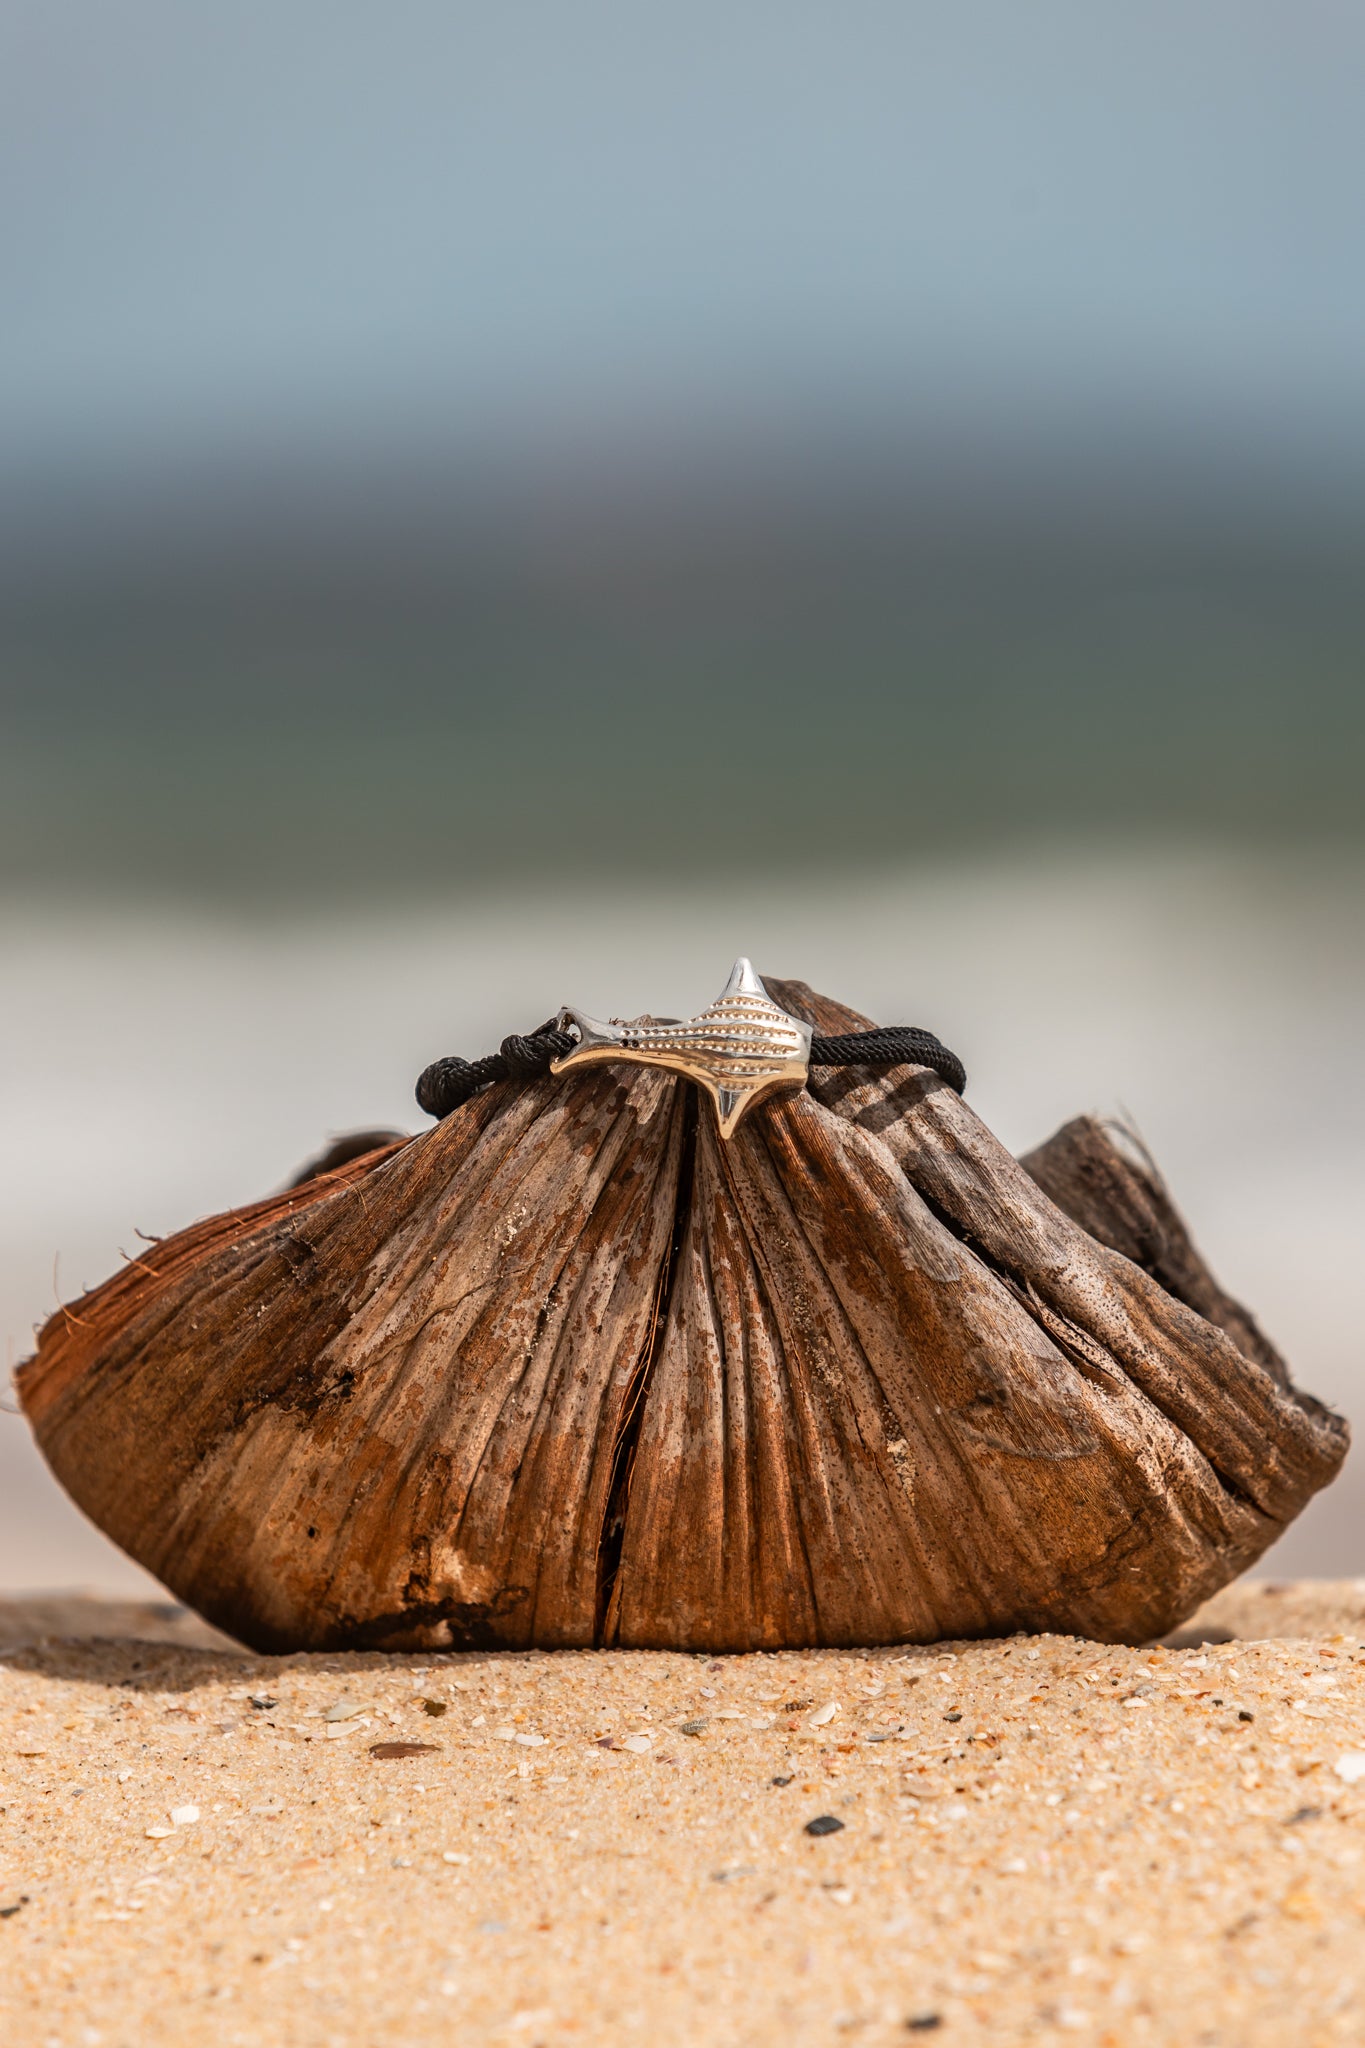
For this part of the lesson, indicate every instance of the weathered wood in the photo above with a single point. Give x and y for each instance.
(856, 1432)
(569, 1369)
(391, 1406)
(1119, 1198)
(1268, 1443)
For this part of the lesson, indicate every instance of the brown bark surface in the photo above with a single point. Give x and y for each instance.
(1116, 1194)
(568, 1369)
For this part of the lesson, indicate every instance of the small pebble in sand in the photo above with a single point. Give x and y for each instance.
(184, 1816)
(1351, 1767)
(824, 1824)
(822, 1716)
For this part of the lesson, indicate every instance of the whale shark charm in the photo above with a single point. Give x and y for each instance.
(741, 1049)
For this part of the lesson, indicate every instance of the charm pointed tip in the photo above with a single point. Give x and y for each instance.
(730, 1107)
(743, 981)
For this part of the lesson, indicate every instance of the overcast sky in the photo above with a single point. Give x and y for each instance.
(227, 223)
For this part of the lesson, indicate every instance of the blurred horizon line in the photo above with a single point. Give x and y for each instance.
(407, 508)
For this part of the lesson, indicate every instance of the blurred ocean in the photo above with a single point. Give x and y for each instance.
(159, 1063)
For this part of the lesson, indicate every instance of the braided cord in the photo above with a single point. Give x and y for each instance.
(890, 1045)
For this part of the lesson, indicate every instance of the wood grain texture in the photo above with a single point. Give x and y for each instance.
(1101, 1178)
(392, 1409)
(855, 1432)
(1268, 1442)
(568, 1369)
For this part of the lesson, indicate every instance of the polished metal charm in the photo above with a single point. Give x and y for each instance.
(741, 1048)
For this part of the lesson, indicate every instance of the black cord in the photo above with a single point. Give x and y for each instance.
(890, 1045)
(448, 1083)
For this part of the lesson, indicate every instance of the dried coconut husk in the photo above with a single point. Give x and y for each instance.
(568, 1370)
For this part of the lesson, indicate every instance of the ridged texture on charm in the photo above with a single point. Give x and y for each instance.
(569, 1369)
(742, 1049)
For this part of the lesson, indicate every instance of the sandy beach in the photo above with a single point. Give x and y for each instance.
(976, 1841)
